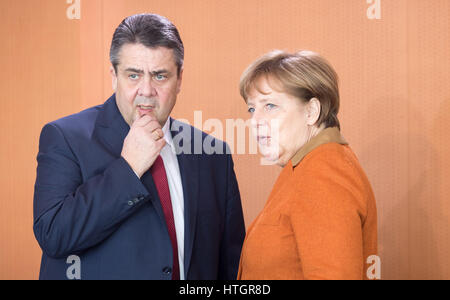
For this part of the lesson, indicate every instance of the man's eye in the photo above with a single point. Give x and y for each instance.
(160, 77)
(133, 76)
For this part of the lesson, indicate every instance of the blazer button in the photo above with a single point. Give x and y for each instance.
(130, 203)
(167, 271)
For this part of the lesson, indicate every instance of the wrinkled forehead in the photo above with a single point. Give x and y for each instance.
(139, 56)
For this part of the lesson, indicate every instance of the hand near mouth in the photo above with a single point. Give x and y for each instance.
(143, 143)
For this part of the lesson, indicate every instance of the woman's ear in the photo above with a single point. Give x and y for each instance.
(313, 110)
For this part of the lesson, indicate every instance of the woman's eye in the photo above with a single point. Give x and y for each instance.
(251, 110)
(270, 106)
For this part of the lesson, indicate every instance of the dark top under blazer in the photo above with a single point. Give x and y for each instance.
(88, 202)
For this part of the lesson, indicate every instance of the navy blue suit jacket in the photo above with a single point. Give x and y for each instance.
(88, 202)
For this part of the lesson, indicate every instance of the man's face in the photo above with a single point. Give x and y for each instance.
(146, 82)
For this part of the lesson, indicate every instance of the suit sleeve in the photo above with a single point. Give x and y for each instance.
(70, 215)
(234, 231)
(327, 222)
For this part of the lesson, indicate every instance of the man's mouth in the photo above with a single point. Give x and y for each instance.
(145, 110)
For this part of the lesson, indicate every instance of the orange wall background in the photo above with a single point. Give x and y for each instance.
(394, 75)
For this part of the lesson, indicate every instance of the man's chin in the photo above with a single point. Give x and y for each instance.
(141, 113)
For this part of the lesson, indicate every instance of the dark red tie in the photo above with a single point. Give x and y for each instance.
(160, 178)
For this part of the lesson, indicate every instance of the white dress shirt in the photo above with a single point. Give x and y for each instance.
(170, 160)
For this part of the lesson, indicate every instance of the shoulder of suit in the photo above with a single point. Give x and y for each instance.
(333, 163)
(330, 161)
(330, 153)
(333, 172)
(78, 122)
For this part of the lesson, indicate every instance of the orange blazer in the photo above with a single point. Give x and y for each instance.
(320, 221)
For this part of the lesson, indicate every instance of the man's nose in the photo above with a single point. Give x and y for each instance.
(146, 88)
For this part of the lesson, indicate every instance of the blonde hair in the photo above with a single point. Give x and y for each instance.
(304, 75)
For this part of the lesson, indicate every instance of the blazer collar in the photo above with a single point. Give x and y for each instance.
(328, 135)
(110, 126)
(111, 117)
(189, 165)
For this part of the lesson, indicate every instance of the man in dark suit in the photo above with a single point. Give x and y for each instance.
(122, 190)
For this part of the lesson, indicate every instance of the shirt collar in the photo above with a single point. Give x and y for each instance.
(328, 135)
(167, 133)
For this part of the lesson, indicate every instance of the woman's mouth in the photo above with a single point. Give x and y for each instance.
(263, 140)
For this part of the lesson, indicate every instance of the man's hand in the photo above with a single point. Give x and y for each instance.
(143, 144)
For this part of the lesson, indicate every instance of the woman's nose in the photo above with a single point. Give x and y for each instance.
(259, 123)
(259, 118)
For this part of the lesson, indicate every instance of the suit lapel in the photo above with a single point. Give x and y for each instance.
(110, 127)
(189, 170)
(148, 182)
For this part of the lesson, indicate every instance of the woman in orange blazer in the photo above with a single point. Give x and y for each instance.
(320, 221)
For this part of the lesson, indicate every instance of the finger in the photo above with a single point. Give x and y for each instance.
(152, 115)
(145, 119)
(152, 126)
(160, 144)
(157, 134)
(142, 121)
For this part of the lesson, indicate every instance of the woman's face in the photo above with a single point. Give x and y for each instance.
(279, 122)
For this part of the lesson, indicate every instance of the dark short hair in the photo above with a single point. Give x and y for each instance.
(150, 30)
(304, 75)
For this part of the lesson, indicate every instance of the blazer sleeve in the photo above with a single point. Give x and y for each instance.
(326, 217)
(71, 215)
(234, 230)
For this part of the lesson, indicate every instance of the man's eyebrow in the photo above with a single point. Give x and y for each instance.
(134, 70)
(154, 73)
(159, 72)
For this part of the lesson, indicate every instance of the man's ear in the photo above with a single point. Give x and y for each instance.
(313, 109)
(179, 80)
(112, 71)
